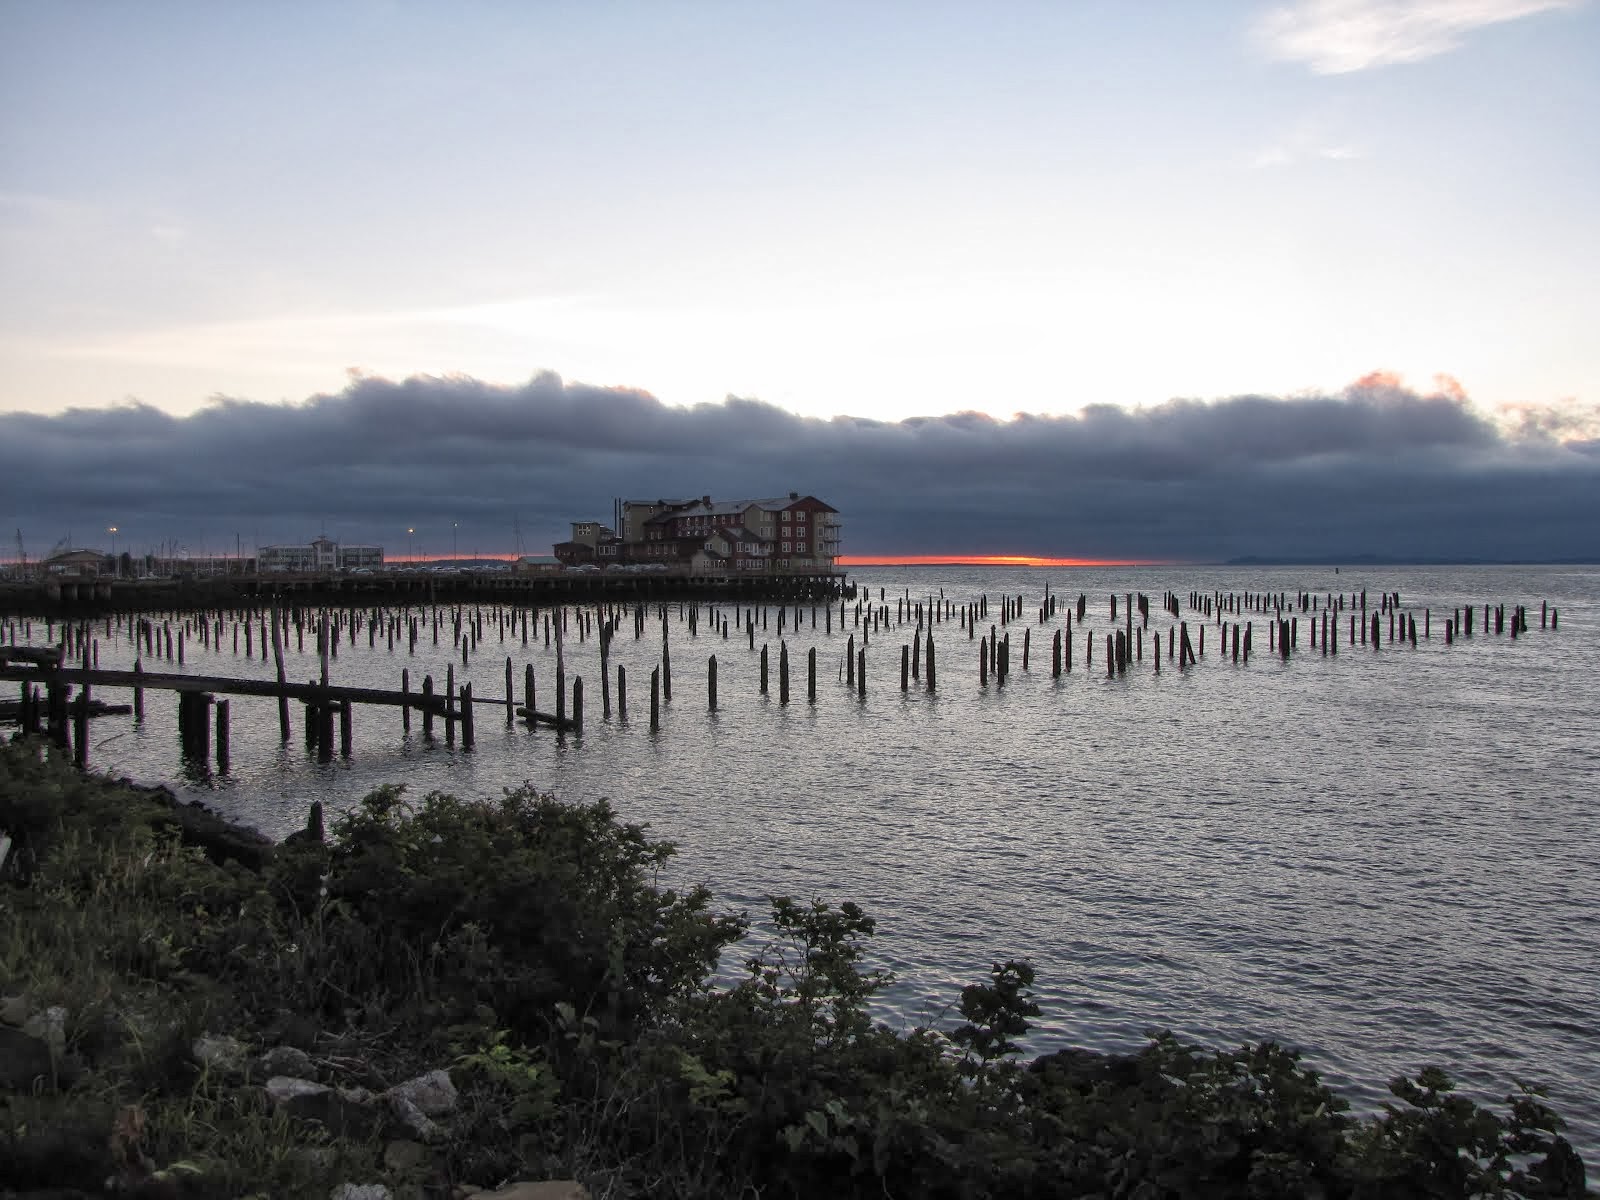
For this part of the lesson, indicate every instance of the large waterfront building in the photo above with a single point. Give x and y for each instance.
(790, 534)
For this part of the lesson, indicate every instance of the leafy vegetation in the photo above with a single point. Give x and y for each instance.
(525, 945)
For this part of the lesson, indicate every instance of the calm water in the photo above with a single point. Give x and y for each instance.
(1385, 858)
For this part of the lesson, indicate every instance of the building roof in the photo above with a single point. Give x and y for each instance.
(724, 508)
(739, 533)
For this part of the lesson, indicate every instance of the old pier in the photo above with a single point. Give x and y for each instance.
(55, 663)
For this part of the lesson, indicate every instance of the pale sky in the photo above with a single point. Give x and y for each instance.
(880, 209)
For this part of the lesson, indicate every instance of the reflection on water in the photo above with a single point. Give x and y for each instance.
(1384, 857)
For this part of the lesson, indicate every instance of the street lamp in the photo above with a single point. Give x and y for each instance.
(116, 569)
(411, 547)
(454, 525)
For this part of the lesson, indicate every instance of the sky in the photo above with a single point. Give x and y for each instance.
(1163, 255)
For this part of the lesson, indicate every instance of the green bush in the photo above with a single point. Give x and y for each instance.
(514, 906)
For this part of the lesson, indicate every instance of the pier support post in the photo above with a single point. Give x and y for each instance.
(224, 735)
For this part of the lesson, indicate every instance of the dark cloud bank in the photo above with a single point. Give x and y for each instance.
(1377, 469)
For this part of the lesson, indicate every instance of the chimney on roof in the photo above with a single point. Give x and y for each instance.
(794, 495)
(706, 500)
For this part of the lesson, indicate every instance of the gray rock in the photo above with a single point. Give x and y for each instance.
(281, 1089)
(360, 1191)
(343, 1113)
(547, 1189)
(403, 1155)
(13, 1010)
(288, 1060)
(218, 1052)
(315, 1158)
(433, 1094)
(50, 1026)
(414, 1121)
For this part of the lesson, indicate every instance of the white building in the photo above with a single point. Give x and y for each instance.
(322, 554)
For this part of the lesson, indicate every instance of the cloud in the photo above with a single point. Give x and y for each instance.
(1377, 468)
(1335, 37)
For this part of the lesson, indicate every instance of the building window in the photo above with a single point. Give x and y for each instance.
(785, 518)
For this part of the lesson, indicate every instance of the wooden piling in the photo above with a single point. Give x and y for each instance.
(711, 682)
(325, 730)
(467, 726)
(277, 658)
(224, 736)
(80, 729)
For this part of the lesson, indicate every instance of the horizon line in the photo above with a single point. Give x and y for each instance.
(992, 560)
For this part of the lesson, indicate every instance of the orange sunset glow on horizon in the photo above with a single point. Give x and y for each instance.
(987, 560)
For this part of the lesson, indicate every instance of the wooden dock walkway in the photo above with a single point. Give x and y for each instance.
(34, 668)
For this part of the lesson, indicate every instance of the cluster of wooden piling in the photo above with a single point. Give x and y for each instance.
(268, 628)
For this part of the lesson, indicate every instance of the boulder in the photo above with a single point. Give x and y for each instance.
(360, 1191)
(218, 1052)
(433, 1093)
(404, 1155)
(288, 1060)
(50, 1026)
(548, 1189)
(343, 1112)
(414, 1121)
